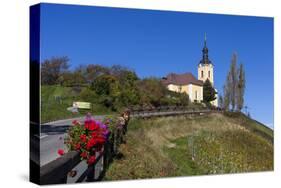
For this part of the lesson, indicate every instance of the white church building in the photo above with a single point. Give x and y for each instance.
(189, 84)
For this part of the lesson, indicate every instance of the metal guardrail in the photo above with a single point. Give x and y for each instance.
(56, 171)
(171, 111)
(70, 169)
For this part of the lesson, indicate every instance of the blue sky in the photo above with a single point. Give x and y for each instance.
(155, 43)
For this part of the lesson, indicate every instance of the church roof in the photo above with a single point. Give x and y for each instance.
(181, 79)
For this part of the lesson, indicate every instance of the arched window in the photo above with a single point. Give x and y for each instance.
(202, 74)
(195, 95)
(209, 73)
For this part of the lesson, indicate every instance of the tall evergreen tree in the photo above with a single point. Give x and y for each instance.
(226, 92)
(241, 88)
(209, 93)
(226, 97)
(234, 87)
(233, 81)
(221, 103)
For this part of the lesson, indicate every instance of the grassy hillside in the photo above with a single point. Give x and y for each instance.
(182, 146)
(56, 99)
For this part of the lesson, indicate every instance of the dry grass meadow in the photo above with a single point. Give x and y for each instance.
(193, 145)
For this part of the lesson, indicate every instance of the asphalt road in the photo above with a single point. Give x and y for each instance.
(52, 138)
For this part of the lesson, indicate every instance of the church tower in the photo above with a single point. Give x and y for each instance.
(205, 66)
(206, 69)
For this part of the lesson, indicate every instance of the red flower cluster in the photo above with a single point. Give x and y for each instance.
(95, 141)
(88, 138)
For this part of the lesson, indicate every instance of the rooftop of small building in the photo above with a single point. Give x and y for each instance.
(181, 79)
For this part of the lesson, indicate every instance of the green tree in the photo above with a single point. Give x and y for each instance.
(108, 89)
(151, 91)
(241, 88)
(234, 87)
(209, 93)
(88, 95)
(128, 86)
(181, 99)
(221, 102)
(52, 69)
(105, 85)
(226, 93)
(233, 80)
(93, 71)
(70, 79)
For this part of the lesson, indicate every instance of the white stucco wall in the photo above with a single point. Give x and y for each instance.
(173, 87)
(206, 69)
(189, 89)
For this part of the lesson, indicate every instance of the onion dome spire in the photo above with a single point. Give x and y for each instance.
(205, 57)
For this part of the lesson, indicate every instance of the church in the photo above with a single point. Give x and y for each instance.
(190, 84)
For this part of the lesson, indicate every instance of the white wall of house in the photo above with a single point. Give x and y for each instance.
(195, 92)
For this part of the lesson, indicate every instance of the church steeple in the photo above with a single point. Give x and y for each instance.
(205, 40)
(205, 57)
(205, 66)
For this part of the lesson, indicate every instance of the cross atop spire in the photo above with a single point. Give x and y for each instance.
(205, 40)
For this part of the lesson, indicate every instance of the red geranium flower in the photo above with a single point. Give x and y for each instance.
(91, 125)
(83, 138)
(92, 159)
(95, 134)
(100, 140)
(77, 146)
(91, 143)
(60, 152)
(84, 154)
